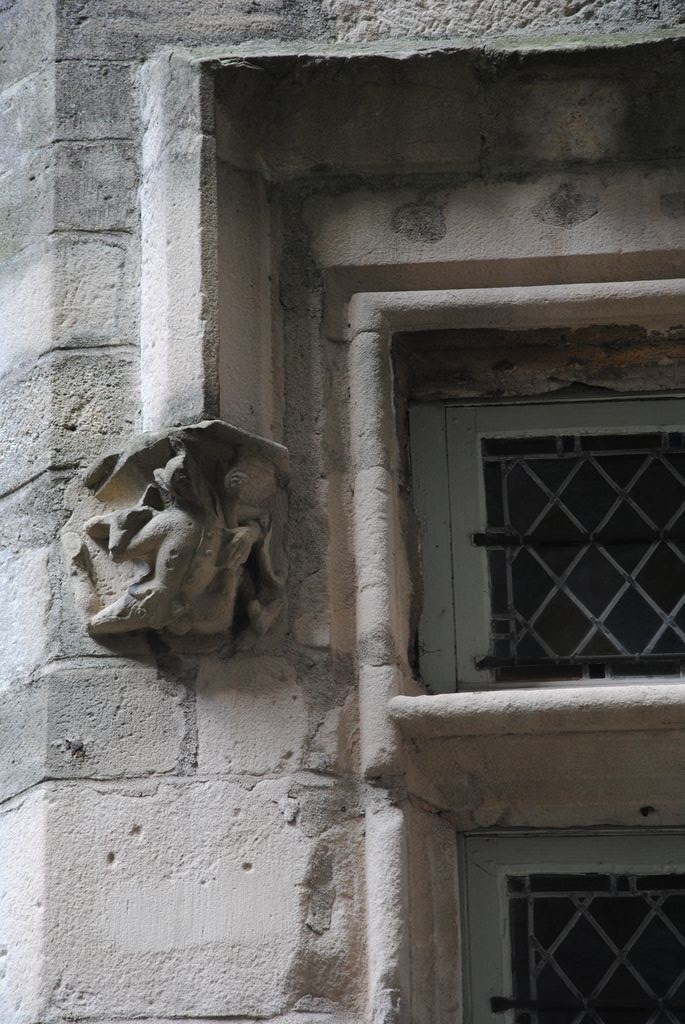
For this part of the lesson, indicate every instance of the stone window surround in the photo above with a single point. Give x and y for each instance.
(382, 616)
(179, 327)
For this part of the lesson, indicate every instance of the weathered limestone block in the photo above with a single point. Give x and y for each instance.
(22, 909)
(23, 733)
(95, 99)
(103, 723)
(174, 899)
(63, 411)
(93, 720)
(111, 29)
(188, 535)
(27, 596)
(27, 111)
(95, 186)
(27, 35)
(93, 296)
(26, 203)
(25, 299)
(245, 698)
(361, 21)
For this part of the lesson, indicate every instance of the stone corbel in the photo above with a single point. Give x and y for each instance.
(188, 535)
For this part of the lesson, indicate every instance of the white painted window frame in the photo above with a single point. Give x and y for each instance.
(490, 858)
(449, 496)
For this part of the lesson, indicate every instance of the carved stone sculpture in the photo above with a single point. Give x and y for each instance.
(185, 541)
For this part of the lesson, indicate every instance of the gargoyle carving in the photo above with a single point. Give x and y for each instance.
(192, 515)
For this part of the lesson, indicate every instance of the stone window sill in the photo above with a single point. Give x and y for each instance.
(642, 707)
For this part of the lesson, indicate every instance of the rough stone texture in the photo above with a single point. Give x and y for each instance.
(64, 412)
(231, 697)
(183, 877)
(23, 909)
(182, 835)
(24, 613)
(101, 720)
(358, 21)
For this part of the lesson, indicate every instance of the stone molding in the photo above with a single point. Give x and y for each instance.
(187, 538)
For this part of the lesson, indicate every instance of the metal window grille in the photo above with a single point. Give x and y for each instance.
(596, 949)
(586, 553)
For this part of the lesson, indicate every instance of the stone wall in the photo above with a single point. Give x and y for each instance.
(189, 205)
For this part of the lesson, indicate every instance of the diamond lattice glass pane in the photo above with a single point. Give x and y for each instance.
(633, 622)
(594, 580)
(562, 625)
(659, 493)
(589, 496)
(607, 948)
(531, 584)
(659, 956)
(526, 499)
(589, 532)
(662, 577)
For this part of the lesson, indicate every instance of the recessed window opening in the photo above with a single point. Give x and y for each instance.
(553, 537)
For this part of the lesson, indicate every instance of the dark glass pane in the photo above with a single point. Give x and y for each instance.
(679, 618)
(584, 956)
(527, 647)
(551, 914)
(626, 555)
(552, 472)
(555, 527)
(658, 955)
(599, 646)
(626, 525)
(677, 461)
(645, 883)
(619, 442)
(589, 883)
(562, 625)
(619, 918)
(526, 500)
(674, 909)
(493, 494)
(531, 584)
(633, 622)
(589, 496)
(621, 468)
(558, 559)
(669, 643)
(620, 999)
(663, 577)
(555, 991)
(658, 493)
(595, 581)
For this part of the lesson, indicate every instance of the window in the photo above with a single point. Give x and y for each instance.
(579, 929)
(553, 538)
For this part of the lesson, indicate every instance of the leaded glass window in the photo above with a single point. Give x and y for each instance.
(553, 540)
(596, 949)
(585, 539)
(574, 927)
